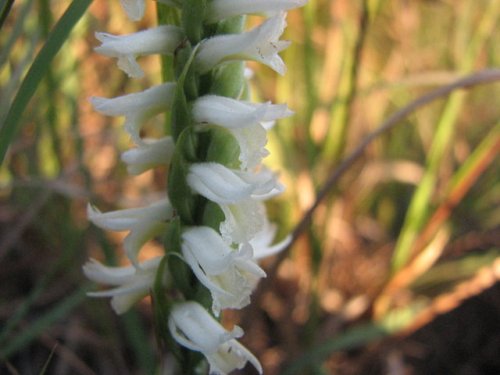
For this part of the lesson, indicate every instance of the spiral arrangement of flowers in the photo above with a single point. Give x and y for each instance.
(212, 219)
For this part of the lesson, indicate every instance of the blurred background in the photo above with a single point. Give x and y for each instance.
(395, 274)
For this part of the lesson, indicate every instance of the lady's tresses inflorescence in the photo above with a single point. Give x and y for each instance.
(212, 219)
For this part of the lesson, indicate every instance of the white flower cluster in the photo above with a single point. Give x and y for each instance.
(224, 260)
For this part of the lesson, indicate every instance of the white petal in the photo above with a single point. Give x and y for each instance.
(141, 233)
(137, 107)
(262, 241)
(232, 113)
(229, 274)
(132, 284)
(150, 154)
(221, 9)
(261, 44)
(121, 220)
(210, 250)
(225, 186)
(192, 326)
(159, 40)
(218, 183)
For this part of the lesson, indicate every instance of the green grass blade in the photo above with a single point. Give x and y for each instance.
(37, 71)
(40, 325)
(421, 201)
(5, 10)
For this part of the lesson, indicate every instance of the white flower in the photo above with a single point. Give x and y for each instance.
(230, 274)
(218, 10)
(132, 284)
(150, 154)
(193, 327)
(260, 44)
(144, 224)
(244, 120)
(231, 113)
(133, 8)
(159, 40)
(137, 107)
(225, 186)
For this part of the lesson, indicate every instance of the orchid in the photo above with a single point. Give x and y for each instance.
(228, 273)
(261, 44)
(193, 327)
(160, 40)
(213, 221)
(224, 185)
(143, 223)
(132, 284)
(137, 107)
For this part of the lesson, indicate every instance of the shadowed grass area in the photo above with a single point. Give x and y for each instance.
(401, 231)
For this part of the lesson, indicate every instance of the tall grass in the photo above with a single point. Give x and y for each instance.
(382, 217)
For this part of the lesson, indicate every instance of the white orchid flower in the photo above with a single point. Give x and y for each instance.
(260, 44)
(126, 48)
(144, 224)
(218, 10)
(150, 154)
(132, 284)
(137, 107)
(194, 328)
(230, 274)
(225, 186)
(244, 120)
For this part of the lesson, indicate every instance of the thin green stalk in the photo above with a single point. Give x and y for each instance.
(419, 206)
(37, 71)
(341, 108)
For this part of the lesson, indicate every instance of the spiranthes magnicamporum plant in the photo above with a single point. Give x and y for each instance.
(212, 219)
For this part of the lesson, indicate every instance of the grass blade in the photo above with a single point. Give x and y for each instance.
(37, 71)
